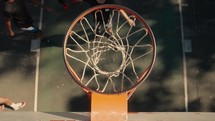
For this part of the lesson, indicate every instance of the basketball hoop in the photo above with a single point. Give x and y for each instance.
(109, 62)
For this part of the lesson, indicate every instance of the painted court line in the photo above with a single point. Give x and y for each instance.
(36, 82)
(36, 47)
(184, 57)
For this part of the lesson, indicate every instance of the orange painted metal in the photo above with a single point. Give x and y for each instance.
(113, 107)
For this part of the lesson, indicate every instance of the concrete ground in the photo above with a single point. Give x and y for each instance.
(42, 81)
(85, 116)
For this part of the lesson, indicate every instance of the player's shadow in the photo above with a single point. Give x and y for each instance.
(19, 42)
(22, 42)
(55, 40)
(58, 41)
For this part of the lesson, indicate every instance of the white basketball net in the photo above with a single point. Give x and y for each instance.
(108, 60)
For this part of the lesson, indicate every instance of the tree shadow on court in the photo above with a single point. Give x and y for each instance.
(156, 97)
(16, 59)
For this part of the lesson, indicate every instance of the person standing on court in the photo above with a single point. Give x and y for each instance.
(7, 102)
(16, 11)
(65, 4)
(106, 13)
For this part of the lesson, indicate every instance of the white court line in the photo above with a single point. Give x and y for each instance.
(184, 58)
(37, 63)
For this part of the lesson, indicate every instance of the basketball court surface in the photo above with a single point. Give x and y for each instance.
(180, 84)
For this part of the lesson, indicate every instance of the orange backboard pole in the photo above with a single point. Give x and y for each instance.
(105, 107)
